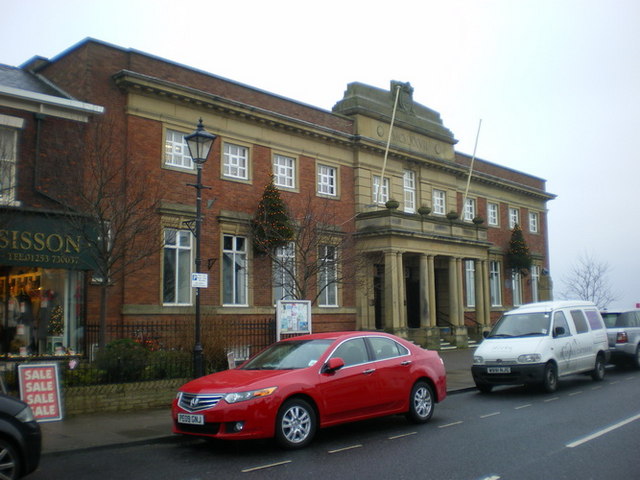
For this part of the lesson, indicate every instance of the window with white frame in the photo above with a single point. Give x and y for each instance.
(470, 282)
(236, 161)
(284, 272)
(327, 180)
(176, 278)
(469, 209)
(535, 278)
(8, 148)
(533, 222)
(495, 287)
(439, 202)
(176, 151)
(514, 217)
(409, 191)
(493, 214)
(234, 270)
(516, 287)
(380, 195)
(328, 276)
(284, 171)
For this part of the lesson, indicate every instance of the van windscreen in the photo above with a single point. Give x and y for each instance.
(521, 325)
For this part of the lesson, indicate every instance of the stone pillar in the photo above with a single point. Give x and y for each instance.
(453, 292)
(401, 322)
(391, 296)
(479, 286)
(424, 291)
(433, 322)
(487, 292)
(460, 291)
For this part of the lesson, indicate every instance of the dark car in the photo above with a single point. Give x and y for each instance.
(20, 439)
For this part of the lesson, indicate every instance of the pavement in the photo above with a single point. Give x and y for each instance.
(97, 430)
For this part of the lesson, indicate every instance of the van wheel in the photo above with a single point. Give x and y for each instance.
(484, 387)
(550, 378)
(598, 371)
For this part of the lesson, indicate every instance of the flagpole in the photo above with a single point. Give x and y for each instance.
(386, 150)
(473, 158)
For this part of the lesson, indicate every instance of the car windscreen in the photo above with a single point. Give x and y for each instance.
(289, 355)
(521, 325)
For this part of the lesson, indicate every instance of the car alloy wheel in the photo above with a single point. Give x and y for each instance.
(296, 424)
(9, 461)
(420, 402)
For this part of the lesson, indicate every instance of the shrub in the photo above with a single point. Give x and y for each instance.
(123, 360)
(169, 364)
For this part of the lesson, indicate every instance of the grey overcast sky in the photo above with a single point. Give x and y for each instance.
(555, 82)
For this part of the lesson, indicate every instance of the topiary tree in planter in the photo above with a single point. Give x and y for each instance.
(271, 225)
(518, 256)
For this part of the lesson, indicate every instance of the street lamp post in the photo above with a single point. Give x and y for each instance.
(199, 143)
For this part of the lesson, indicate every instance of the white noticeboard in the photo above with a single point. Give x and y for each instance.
(293, 316)
(199, 280)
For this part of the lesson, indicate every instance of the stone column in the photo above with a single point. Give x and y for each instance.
(480, 286)
(424, 291)
(453, 292)
(401, 322)
(391, 297)
(433, 322)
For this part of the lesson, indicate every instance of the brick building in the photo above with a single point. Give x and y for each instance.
(409, 272)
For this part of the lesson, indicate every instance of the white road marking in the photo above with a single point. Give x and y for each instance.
(552, 399)
(522, 406)
(450, 424)
(343, 449)
(603, 431)
(262, 467)
(490, 415)
(402, 435)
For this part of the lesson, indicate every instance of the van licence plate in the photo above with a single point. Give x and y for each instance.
(191, 419)
(498, 369)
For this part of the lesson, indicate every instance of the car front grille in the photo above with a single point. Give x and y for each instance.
(192, 402)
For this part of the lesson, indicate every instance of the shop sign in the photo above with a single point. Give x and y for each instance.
(40, 388)
(41, 241)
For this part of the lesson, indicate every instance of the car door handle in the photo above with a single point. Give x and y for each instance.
(406, 362)
(369, 371)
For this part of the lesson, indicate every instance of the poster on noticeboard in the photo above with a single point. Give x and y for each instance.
(293, 317)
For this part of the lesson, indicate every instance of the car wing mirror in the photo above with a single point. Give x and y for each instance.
(332, 365)
(558, 331)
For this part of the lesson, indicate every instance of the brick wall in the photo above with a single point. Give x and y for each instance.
(120, 397)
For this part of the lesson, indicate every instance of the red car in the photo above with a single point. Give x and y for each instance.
(300, 384)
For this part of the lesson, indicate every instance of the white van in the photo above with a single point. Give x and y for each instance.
(538, 343)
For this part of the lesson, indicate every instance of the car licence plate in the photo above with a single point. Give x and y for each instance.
(191, 419)
(498, 369)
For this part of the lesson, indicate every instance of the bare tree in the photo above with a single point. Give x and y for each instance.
(112, 204)
(588, 280)
(319, 255)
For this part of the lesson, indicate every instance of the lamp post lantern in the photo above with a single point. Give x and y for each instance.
(199, 143)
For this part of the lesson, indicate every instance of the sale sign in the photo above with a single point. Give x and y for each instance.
(39, 387)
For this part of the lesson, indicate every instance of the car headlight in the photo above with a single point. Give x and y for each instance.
(478, 360)
(530, 358)
(26, 415)
(236, 397)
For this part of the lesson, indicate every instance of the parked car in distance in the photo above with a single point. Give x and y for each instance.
(300, 384)
(623, 330)
(20, 439)
(538, 343)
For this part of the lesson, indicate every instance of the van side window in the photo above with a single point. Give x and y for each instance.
(594, 320)
(579, 321)
(559, 320)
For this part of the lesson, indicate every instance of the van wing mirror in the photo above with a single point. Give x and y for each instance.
(558, 331)
(332, 365)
